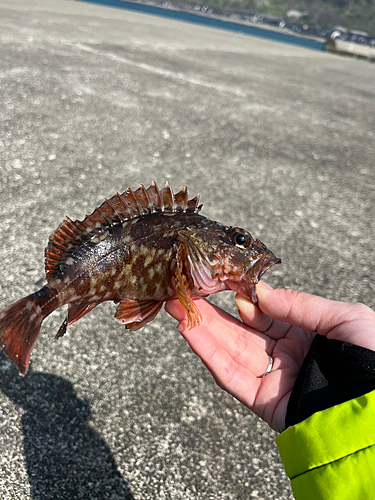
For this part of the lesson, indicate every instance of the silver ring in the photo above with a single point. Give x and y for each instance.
(269, 367)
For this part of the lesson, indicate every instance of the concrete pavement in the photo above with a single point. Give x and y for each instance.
(276, 139)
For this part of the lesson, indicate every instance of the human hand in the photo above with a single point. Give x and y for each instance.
(283, 327)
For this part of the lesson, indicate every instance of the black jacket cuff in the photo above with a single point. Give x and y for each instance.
(333, 372)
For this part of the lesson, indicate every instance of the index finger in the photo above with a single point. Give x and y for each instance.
(348, 322)
(255, 318)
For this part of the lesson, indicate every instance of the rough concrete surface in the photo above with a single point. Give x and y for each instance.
(276, 139)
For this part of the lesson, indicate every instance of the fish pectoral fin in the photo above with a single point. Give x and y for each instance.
(193, 314)
(134, 314)
(204, 274)
(75, 312)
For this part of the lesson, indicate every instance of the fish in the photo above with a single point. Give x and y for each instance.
(137, 249)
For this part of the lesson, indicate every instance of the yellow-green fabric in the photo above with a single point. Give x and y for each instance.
(331, 455)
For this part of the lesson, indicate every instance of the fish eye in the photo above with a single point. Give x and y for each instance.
(241, 238)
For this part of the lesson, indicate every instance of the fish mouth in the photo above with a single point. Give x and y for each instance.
(255, 272)
(261, 260)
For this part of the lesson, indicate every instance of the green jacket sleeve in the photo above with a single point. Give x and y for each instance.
(331, 455)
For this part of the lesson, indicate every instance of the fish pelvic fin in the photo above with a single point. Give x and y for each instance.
(20, 325)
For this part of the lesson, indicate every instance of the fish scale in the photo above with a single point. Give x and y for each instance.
(137, 249)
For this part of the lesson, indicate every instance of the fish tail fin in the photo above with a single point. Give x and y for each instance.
(20, 325)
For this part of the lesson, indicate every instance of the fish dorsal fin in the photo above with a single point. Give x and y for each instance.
(115, 211)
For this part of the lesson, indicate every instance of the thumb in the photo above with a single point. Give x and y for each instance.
(349, 322)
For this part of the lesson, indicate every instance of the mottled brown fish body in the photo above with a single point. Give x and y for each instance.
(131, 260)
(139, 249)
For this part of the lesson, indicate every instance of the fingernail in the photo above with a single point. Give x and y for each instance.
(181, 327)
(240, 299)
(262, 284)
(262, 291)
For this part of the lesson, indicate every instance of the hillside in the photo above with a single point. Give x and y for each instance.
(322, 14)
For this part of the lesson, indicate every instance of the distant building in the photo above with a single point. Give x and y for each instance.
(358, 33)
(295, 14)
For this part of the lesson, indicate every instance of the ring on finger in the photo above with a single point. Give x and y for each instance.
(269, 367)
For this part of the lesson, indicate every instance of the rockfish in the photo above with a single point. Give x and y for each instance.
(138, 249)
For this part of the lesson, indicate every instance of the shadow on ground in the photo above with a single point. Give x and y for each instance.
(65, 457)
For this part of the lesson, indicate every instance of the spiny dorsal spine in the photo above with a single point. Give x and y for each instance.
(117, 210)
